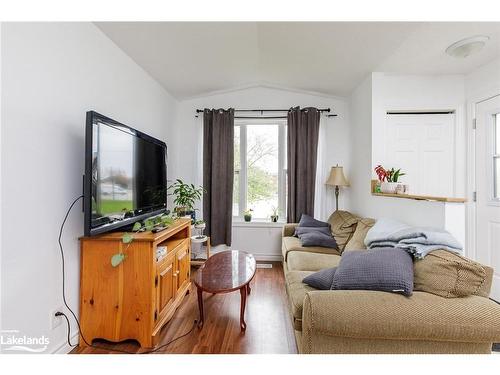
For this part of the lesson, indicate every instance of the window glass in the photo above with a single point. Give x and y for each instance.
(497, 134)
(496, 162)
(262, 169)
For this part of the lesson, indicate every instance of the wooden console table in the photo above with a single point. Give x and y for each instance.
(135, 299)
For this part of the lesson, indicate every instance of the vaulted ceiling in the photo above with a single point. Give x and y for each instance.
(195, 58)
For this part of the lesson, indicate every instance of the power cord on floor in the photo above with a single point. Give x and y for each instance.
(60, 313)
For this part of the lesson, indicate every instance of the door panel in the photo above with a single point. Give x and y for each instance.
(166, 292)
(488, 201)
(182, 267)
(423, 147)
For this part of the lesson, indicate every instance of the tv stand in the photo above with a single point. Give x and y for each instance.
(138, 297)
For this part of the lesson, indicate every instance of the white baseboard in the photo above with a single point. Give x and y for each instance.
(64, 348)
(268, 257)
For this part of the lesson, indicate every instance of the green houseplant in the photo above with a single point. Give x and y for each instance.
(248, 215)
(185, 195)
(275, 216)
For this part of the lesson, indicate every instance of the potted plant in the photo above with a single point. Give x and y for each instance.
(186, 196)
(248, 215)
(389, 179)
(274, 216)
(200, 224)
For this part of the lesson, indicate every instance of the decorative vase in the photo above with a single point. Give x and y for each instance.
(274, 218)
(389, 187)
(247, 218)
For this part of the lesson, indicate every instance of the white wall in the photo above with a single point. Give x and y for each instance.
(365, 111)
(483, 82)
(188, 149)
(52, 74)
(419, 93)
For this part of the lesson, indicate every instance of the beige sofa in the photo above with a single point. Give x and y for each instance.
(337, 321)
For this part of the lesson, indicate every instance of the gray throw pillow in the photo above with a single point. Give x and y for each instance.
(301, 230)
(385, 269)
(318, 239)
(308, 221)
(322, 279)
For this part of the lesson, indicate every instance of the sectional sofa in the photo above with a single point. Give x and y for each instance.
(358, 321)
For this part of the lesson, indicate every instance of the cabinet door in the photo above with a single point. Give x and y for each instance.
(183, 266)
(166, 292)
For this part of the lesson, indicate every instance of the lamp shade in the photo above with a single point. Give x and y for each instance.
(337, 177)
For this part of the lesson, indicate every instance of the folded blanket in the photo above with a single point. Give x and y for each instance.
(418, 241)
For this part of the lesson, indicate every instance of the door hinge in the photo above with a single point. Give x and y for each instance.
(474, 123)
(156, 281)
(474, 196)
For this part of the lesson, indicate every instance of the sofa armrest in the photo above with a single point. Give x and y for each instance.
(289, 229)
(372, 315)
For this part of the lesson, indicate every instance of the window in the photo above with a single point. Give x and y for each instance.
(259, 168)
(496, 157)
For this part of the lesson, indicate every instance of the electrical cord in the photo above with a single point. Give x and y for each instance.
(60, 313)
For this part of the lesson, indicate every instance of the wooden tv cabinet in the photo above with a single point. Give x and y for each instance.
(135, 299)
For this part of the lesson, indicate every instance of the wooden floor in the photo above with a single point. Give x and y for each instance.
(269, 328)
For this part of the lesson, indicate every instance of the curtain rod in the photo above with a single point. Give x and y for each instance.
(266, 110)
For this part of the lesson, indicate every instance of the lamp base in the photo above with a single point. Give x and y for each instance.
(337, 191)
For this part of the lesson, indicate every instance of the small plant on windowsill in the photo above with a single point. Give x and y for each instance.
(275, 216)
(248, 215)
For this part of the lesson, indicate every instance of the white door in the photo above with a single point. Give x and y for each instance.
(487, 170)
(422, 145)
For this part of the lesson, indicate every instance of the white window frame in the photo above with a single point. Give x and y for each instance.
(243, 177)
(494, 128)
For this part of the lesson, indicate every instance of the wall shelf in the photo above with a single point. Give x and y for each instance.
(422, 197)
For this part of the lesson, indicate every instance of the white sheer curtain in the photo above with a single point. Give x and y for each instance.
(322, 169)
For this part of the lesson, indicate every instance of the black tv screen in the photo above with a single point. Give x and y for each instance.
(125, 175)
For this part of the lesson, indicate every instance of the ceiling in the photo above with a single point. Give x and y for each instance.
(195, 58)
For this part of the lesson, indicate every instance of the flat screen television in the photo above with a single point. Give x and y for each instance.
(125, 175)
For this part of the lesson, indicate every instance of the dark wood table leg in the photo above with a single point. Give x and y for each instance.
(200, 307)
(243, 292)
(248, 289)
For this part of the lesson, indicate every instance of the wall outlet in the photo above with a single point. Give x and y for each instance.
(56, 321)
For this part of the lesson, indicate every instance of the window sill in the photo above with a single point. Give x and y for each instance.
(257, 224)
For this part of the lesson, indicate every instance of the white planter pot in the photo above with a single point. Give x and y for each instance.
(389, 187)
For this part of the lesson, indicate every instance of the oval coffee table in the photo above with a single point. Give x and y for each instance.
(226, 272)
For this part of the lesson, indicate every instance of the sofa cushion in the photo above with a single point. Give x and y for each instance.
(293, 244)
(357, 241)
(322, 279)
(296, 291)
(367, 315)
(303, 230)
(387, 270)
(343, 225)
(303, 261)
(309, 221)
(318, 239)
(450, 275)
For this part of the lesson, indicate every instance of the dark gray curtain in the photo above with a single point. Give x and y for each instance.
(218, 173)
(302, 147)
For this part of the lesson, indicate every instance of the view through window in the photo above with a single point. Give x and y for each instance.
(259, 169)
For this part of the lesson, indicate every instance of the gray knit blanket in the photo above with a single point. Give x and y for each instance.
(418, 241)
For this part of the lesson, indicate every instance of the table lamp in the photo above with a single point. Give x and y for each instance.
(337, 179)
